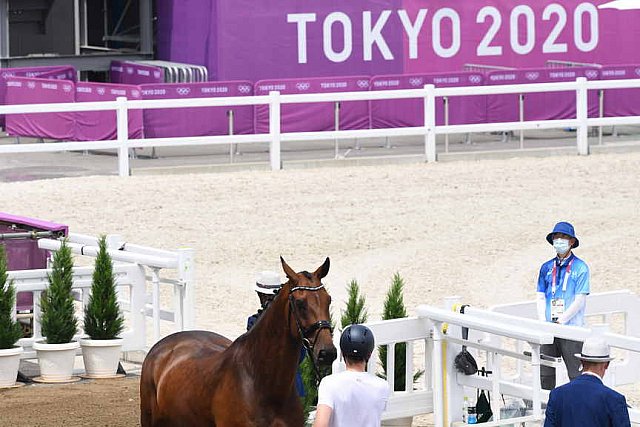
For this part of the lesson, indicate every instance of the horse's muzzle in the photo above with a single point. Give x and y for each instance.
(327, 356)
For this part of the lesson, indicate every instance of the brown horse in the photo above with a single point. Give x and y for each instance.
(199, 378)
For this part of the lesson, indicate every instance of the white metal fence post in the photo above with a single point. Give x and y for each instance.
(438, 380)
(430, 123)
(187, 274)
(123, 136)
(274, 130)
(582, 115)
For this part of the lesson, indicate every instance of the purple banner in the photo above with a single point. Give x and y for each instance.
(538, 106)
(134, 74)
(316, 116)
(410, 112)
(275, 39)
(23, 90)
(166, 123)
(54, 72)
(101, 125)
(24, 254)
(621, 102)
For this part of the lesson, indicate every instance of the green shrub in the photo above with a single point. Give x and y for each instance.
(355, 312)
(102, 317)
(58, 320)
(10, 331)
(394, 308)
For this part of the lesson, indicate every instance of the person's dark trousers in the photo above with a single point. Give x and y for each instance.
(560, 348)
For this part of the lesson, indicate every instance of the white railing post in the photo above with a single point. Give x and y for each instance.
(438, 380)
(274, 130)
(123, 136)
(187, 275)
(430, 123)
(582, 115)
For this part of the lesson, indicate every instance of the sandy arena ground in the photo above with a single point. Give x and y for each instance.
(475, 229)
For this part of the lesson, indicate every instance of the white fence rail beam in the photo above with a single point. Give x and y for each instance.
(275, 100)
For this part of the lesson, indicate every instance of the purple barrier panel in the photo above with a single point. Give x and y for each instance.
(315, 116)
(63, 72)
(101, 125)
(172, 122)
(539, 106)
(24, 254)
(134, 74)
(621, 102)
(23, 90)
(410, 112)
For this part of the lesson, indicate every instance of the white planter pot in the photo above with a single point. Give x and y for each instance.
(101, 357)
(398, 422)
(56, 360)
(9, 363)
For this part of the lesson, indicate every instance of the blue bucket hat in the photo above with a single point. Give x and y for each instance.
(564, 228)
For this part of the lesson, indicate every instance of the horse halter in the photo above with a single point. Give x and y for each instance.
(314, 329)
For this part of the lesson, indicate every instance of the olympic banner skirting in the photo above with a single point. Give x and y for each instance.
(172, 122)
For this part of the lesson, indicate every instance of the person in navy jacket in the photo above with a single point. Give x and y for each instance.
(586, 401)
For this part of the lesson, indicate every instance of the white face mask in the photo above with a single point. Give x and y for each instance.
(561, 246)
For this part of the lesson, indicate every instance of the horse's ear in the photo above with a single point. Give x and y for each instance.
(323, 270)
(289, 271)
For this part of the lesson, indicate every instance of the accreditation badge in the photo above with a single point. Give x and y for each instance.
(557, 309)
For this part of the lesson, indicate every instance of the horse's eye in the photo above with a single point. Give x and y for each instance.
(301, 304)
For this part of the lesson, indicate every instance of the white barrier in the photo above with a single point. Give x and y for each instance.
(489, 331)
(274, 138)
(134, 266)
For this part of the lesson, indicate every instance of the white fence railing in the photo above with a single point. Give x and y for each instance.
(275, 100)
(492, 333)
(134, 267)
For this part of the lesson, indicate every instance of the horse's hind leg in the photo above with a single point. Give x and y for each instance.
(148, 404)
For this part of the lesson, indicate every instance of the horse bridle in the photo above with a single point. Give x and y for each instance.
(305, 333)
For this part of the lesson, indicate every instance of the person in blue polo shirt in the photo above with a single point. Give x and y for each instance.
(563, 286)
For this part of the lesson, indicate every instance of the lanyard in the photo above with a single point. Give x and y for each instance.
(567, 273)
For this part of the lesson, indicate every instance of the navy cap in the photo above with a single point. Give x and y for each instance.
(564, 228)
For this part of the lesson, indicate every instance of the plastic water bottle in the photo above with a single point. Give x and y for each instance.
(465, 409)
(471, 416)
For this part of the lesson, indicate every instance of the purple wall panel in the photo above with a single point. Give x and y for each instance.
(538, 106)
(101, 125)
(318, 116)
(410, 112)
(166, 123)
(55, 72)
(23, 90)
(621, 102)
(283, 39)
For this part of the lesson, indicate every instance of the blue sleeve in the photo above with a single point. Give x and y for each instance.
(542, 285)
(251, 321)
(582, 281)
(550, 415)
(620, 413)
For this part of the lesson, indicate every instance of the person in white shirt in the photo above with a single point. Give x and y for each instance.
(353, 397)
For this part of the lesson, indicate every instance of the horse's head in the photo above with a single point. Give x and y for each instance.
(309, 306)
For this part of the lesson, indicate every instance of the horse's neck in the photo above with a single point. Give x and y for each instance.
(272, 348)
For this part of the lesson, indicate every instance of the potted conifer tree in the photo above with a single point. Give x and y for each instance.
(103, 320)
(56, 352)
(394, 308)
(10, 330)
